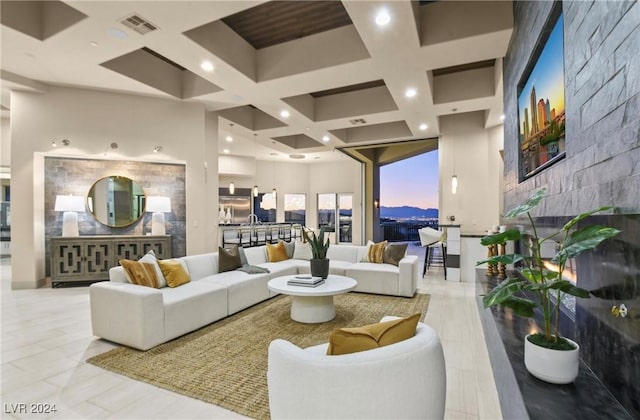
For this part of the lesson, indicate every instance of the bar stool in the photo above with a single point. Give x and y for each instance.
(432, 239)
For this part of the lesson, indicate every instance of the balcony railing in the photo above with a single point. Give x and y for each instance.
(405, 231)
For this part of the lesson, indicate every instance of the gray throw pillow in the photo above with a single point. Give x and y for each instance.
(253, 269)
(393, 253)
(243, 256)
(228, 259)
(290, 248)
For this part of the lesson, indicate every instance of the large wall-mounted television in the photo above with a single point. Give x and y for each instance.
(541, 109)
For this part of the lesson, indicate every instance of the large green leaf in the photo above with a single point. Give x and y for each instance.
(500, 238)
(521, 306)
(584, 239)
(504, 259)
(571, 223)
(525, 207)
(534, 275)
(567, 287)
(504, 291)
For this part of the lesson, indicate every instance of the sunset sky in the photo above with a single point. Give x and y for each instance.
(410, 182)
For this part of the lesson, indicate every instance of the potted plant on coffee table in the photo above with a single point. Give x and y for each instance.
(548, 355)
(319, 263)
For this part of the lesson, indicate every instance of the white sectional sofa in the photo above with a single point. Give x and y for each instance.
(143, 317)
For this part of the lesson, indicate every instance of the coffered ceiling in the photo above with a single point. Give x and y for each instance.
(341, 78)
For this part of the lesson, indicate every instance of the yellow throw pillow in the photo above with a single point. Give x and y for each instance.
(141, 273)
(174, 272)
(352, 340)
(277, 252)
(376, 252)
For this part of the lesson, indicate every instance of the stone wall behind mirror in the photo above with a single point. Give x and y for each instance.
(64, 176)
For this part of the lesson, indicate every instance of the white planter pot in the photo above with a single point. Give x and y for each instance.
(554, 366)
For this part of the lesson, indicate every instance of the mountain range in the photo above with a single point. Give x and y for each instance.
(407, 212)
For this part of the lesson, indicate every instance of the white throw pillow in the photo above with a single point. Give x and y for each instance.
(365, 257)
(150, 257)
(302, 251)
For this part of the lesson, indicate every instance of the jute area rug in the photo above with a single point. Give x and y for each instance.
(225, 363)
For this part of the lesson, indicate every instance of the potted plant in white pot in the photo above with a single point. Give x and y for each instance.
(319, 264)
(548, 355)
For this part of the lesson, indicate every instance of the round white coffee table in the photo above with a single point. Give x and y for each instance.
(312, 305)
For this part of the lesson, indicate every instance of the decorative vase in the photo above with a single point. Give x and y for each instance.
(319, 268)
(553, 366)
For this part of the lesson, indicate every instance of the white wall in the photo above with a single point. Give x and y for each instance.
(91, 120)
(5, 142)
(472, 152)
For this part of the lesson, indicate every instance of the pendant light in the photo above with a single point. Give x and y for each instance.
(232, 188)
(255, 160)
(274, 193)
(454, 178)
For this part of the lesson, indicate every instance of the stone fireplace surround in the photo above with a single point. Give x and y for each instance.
(607, 385)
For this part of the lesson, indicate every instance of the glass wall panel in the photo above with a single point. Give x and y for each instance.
(295, 208)
(264, 206)
(327, 212)
(345, 220)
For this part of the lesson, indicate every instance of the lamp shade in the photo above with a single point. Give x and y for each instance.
(158, 204)
(69, 203)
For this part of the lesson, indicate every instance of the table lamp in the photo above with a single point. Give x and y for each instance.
(70, 205)
(158, 206)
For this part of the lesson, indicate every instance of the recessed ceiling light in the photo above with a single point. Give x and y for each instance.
(93, 43)
(229, 139)
(284, 113)
(226, 151)
(502, 117)
(206, 66)
(410, 93)
(307, 128)
(273, 154)
(454, 109)
(117, 33)
(317, 157)
(423, 126)
(383, 18)
(296, 156)
(325, 138)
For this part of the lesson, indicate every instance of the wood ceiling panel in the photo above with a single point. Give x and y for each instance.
(464, 67)
(276, 22)
(351, 88)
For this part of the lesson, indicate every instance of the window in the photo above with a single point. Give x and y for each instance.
(327, 212)
(264, 206)
(332, 207)
(345, 220)
(295, 208)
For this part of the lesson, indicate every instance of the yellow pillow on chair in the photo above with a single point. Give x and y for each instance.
(352, 340)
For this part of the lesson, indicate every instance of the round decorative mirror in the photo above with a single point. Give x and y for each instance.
(116, 201)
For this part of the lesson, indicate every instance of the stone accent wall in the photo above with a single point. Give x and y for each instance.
(602, 101)
(65, 176)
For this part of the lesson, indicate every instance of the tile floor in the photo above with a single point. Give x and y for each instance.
(46, 338)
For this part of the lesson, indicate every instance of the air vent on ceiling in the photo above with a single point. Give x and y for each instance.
(358, 121)
(138, 24)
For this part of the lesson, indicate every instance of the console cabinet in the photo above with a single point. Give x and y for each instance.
(89, 258)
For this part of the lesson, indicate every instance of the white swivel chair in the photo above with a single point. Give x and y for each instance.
(405, 380)
(431, 238)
